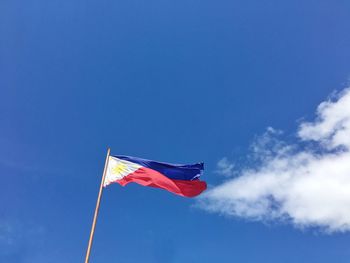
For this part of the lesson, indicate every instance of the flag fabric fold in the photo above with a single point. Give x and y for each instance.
(179, 179)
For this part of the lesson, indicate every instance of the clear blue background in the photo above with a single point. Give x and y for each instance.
(176, 81)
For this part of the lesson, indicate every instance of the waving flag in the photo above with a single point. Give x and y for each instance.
(179, 179)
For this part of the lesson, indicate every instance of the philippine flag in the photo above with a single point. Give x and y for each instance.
(179, 179)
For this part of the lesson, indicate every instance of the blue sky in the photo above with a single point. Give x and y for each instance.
(175, 81)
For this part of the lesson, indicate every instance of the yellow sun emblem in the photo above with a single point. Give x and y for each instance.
(119, 168)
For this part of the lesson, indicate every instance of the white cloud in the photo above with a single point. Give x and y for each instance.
(308, 187)
(225, 168)
(333, 124)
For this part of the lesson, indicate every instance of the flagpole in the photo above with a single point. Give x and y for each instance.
(96, 209)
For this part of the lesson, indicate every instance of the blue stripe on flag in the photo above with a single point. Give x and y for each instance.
(172, 171)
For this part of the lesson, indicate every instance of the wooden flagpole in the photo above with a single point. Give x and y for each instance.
(96, 209)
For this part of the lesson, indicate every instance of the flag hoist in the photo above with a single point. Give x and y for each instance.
(180, 179)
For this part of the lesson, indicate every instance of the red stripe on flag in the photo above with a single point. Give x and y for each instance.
(149, 177)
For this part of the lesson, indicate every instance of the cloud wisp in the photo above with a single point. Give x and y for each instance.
(20, 242)
(306, 184)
